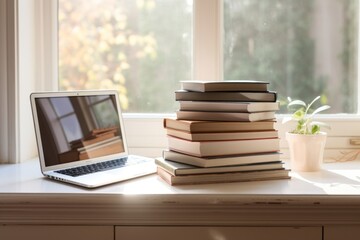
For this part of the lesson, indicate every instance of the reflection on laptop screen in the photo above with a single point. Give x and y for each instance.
(78, 128)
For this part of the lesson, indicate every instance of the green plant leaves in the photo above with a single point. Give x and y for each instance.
(299, 114)
(297, 102)
(305, 123)
(320, 109)
(315, 129)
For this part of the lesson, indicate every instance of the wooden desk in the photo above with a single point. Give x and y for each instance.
(309, 206)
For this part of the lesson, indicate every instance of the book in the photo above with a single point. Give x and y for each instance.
(221, 135)
(208, 106)
(178, 169)
(183, 95)
(95, 135)
(229, 85)
(225, 116)
(221, 160)
(219, 126)
(108, 147)
(223, 177)
(98, 138)
(221, 148)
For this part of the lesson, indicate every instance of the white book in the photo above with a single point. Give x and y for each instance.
(221, 135)
(178, 169)
(209, 106)
(221, 160)
(225, 116)
(221, 148)
(223, 177)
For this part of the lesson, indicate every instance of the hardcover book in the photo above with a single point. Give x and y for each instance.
(223, 177)
(221, 148)
(183, 95)
(225, 116)
(178, 169)
(221, 135)
(221, 160)
(229, 85)
(208, 106)
(219, 126)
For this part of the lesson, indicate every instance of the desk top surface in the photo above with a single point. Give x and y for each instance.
(335, 179)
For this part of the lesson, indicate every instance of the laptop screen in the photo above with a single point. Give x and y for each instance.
(75, 128)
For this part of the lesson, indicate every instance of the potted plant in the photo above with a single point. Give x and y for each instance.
(306, 141)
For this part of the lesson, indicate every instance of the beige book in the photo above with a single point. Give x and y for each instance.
(178, 169)
(225, 116)
(221, 148)
(218, 126)
(218, 161)
(223, 177)
(228, 85)
(222, 136)
(182, 95)
(209, 106)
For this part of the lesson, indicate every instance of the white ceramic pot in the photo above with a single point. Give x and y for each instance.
(306, 151)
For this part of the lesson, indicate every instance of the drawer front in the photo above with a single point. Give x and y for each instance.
(56, 232)
(215, 233)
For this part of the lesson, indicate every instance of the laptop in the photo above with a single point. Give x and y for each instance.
(81, 140)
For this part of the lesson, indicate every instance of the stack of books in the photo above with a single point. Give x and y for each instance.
(223, 132)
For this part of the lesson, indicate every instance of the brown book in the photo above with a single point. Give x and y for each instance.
(218, 161)
(208, 106)
(99, 150)
(228, 85)
(225, 116)
(219, 126)
(223, 177)
(221, 135)
(183, 95)
(97, 131)
(221, 148)
(179, 169)
(98, 138)
(69, 156)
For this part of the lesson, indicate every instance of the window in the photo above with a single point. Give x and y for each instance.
(140, 48)
(186, 38)
(304, 48)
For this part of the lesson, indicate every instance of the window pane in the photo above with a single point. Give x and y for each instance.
(105, 114)
(71, 128)
(62, 106)
(303, 48)
(140, 48)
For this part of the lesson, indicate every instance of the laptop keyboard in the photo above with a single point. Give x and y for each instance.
(98, 167)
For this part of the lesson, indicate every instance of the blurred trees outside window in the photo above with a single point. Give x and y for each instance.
(141, 48)
(303, 48)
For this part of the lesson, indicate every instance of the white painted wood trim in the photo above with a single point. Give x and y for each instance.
(3, 84)
(11, 123)
(47, 44)
(207, 34)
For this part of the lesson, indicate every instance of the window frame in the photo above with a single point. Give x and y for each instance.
(151, 140)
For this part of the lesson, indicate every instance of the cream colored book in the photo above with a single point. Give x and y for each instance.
(183, 95)
(223, 177)
(178, 169)
(221, 148)
(218, 126)
(228, 85)
(225, 116)
(218, 161)
(209, 106)
(222, 136)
